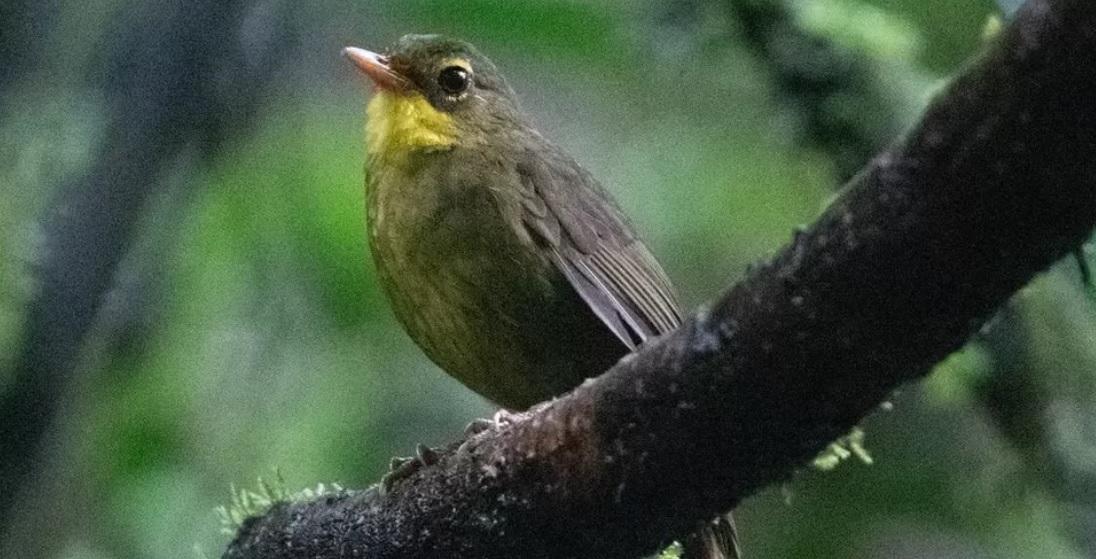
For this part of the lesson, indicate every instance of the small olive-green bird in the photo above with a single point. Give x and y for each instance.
(505, 260)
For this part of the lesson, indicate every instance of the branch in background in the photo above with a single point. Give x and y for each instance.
(21, 23)
(184, 75)
(997, 182)
(832, 92)
(1044, 408)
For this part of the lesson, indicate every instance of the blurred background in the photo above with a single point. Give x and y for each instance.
(186, 301)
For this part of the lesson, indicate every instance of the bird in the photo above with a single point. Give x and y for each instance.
(504, 259)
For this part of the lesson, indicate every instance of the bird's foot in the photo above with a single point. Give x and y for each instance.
(501, 419)
(403, 467)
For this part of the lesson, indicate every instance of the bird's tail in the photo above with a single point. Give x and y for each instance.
(716, 539)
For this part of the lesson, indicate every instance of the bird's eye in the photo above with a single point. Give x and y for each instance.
(453, 79)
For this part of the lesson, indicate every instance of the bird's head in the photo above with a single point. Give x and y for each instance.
(432, 93)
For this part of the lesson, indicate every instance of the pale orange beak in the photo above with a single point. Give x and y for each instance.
(377, 68)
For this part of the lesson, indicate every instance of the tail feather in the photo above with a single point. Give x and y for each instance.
(716, 539)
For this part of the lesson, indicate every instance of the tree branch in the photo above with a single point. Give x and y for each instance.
(996, 182)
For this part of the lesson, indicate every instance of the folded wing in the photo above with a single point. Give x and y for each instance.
(594, 247)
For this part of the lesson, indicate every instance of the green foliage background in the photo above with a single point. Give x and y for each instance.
(261, 339)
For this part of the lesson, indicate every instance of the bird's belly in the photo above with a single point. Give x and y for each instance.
(488, 307)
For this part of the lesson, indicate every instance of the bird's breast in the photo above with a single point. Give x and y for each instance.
(434, 220)
(449, 239)
(462, 274)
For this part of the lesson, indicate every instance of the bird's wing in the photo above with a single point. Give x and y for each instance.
(593, 246)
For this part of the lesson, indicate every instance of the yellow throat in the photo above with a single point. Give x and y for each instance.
(399, 123)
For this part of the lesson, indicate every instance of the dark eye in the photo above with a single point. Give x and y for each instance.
(453, 80)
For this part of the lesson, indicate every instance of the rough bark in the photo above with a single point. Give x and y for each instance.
(996, 182)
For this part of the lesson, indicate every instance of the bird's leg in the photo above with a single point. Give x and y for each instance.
(403, 467)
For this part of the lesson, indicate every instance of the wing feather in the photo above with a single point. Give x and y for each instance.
(593, 291)
(596, 250)
(637, 279)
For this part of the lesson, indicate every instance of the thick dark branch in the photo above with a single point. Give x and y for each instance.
(995, 183)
